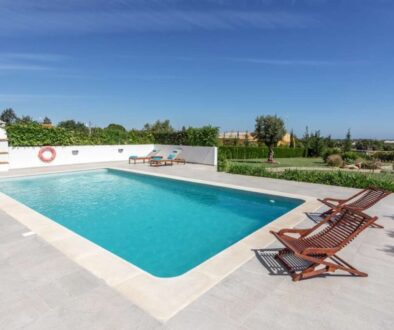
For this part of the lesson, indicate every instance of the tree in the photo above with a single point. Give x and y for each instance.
(9, 116)
(246, 141)
(47, 121)
(159, 127)
(116, 127)
(316, 144)
(75, 126)
(269, 130)
(329, 142)
(305, 140)
(347, 144)
(368, 144)
(115, 133)
(292, 140)
(25, 120)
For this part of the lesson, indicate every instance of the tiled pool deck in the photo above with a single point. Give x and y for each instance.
(40, 288)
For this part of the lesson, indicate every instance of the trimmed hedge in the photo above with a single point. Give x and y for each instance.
(384, 156)
(34, 134)
(335, 178)
(232, 152)
(203, 136)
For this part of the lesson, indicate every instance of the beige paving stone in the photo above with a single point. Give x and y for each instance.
(164, 297)
(75, 247)
(112, 269)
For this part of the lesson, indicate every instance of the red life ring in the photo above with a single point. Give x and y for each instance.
(43, 154)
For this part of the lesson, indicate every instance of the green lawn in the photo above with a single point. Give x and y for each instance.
(284, 162)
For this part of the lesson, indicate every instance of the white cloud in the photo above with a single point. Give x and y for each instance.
(28, 61)
(36, 57)
(22, 67)
(289, 62)
(15, 98)
(54, 22)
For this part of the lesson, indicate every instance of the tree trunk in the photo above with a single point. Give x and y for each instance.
(270, 154)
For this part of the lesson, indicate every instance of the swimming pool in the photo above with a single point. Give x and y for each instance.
(165, 227)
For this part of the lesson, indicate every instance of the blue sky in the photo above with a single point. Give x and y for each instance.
(325, 64)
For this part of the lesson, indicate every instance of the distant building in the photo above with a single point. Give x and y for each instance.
(285, 140)
(246, 136)
(237, 135)
(388, 142)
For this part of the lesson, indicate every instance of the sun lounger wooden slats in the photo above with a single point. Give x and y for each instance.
(165, 162)
(319, 246)
(160, 162)
(359, 202)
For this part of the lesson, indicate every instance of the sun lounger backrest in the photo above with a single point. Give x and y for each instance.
(174, 153)
(348, 224)
(369, 198)
(153, 153)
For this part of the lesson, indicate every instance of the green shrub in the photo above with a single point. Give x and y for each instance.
(371, 165)
(334, 160)
(350, 157)
(248, 170)
(233, 152)
(336, 178)
(330, 151)
(222, 164)
(202, 136)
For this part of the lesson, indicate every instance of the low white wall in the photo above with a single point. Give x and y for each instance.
(22, 157)
(198, 155)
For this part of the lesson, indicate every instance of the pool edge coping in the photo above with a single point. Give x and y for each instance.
(161, 298)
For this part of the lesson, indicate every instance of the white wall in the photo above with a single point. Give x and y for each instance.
(23, 157)
(198, 155)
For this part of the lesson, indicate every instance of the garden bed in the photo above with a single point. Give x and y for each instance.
(353, 179)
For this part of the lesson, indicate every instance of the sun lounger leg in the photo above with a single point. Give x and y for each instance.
(311, 271)
(376, 225)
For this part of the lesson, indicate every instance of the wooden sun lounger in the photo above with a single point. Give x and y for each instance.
(146, 158)
(171, 159)
(161, 162)
(179, 161)
(359, 202)
(319, 246)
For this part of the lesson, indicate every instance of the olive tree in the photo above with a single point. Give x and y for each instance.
(269, 130)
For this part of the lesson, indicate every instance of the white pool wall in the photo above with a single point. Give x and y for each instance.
(197, 155)
(25, 157)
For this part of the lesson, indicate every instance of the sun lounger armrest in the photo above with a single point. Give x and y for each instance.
(329, 200)
(302, 232)
(309, 251)
(333, 199)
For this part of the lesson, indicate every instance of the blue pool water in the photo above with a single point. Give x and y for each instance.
(166, 227)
